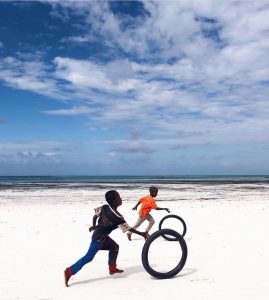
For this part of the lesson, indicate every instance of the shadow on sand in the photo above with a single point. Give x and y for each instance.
(126, 273)
(133, 270)
(183, 273)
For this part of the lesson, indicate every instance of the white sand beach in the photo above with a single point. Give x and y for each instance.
(227, 241)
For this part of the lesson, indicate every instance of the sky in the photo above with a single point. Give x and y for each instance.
(134, 87)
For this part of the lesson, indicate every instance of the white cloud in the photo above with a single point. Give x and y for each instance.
(32, 75)
(31, 152)
(81, 73)
(76, 110)
(163, 105)
(192, 67)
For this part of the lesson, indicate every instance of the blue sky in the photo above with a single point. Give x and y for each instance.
(134, 88)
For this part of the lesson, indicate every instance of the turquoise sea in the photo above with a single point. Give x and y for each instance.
(101, 182)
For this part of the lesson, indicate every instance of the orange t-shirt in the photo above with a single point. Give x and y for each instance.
(148, 203)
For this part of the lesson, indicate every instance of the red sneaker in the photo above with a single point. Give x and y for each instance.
(67, 275)
(115, 271)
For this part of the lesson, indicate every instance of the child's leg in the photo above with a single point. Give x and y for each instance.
(94, 248)
(139, 221)
(151, 222)
(113, 248)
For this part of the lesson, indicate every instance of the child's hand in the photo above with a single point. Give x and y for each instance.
(145, 235)
(167, 209)
(92, 228)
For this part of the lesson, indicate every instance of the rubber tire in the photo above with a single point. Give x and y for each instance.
(180, 265)
(176, 217)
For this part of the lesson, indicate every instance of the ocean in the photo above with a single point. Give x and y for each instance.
(171, 188)
(100, 182)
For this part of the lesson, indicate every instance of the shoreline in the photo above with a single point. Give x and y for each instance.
(166, 193)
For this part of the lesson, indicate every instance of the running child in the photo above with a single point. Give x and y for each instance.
(109, 220)
(148, 203)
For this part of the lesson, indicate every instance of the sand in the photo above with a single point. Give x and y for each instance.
(227, 241)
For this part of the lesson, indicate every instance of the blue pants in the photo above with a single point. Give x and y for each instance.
(95, 246)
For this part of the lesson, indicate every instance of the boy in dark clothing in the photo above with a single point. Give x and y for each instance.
(109, 220)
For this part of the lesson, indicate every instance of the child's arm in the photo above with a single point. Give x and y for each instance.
(144, 234)
(94, 219)
(159, 208)
(125, 227)
(137, 204)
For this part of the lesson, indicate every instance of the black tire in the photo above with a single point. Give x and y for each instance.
(181, 263)
(176, 217)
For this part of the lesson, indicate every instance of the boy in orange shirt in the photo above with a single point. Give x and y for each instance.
(148, 203)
